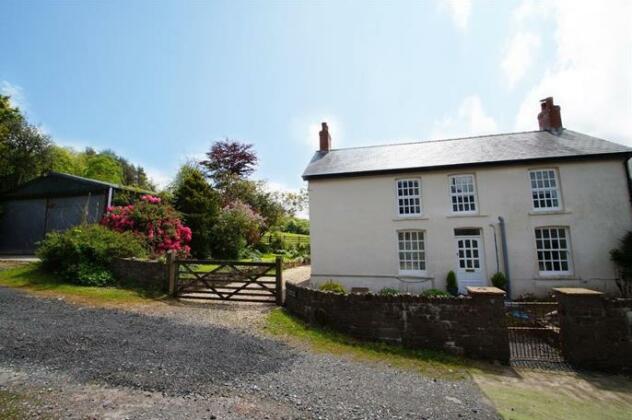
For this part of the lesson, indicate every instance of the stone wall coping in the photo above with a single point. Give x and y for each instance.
(576, 291)
(485, 291)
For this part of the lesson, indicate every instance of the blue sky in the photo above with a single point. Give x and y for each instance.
(158, 81)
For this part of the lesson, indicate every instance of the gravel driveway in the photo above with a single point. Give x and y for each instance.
(197, 361)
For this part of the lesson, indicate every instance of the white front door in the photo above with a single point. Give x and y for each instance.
(470, 262)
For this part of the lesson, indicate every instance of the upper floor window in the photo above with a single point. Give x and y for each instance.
(463, 194)
(553, 247)
(545, 191)
(412, 254)
(408, 197)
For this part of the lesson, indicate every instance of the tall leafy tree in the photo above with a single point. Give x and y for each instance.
(229, 159)
(25, 151)
(104, 168)
(199, 204)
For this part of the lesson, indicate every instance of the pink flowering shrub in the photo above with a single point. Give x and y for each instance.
(158, 224)
(237, 227)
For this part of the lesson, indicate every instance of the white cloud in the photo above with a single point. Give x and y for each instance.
(591, 77)
(16, 93)
(159, 177)
(519, 56)
(459, 11)
(470, 120)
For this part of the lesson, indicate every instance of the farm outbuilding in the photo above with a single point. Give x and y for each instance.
(53, 202)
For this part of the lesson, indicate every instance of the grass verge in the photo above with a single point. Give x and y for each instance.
(31, 278)
(430, 363)
(11, 406)
(546, 401)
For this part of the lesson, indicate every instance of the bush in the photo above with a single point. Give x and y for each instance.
(622, 257)
(277, 242)
(237, 227)
(157, 223)
(434, 293)
(451, 284)
(89, 274)
(388, 291)
(83, 254)
(332, 286)
(499, 280)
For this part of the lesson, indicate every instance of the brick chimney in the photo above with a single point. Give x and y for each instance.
(549, 117)
(325, 138)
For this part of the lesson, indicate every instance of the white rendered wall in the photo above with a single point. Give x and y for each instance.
(354, 226)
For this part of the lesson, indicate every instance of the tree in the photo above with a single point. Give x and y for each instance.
(68, 161)
(104, 168)
(254, 194)
(294, 202)
(229, 158)
(198, 203)
(24, 149)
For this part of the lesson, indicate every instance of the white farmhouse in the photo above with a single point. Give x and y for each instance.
(544, 207)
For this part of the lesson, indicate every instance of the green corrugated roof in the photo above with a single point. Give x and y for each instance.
(60, 184)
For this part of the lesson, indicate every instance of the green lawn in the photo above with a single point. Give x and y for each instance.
(31, 278)
(527, 403)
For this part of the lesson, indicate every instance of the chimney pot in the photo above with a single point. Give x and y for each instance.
(550, 118)
(325, 138)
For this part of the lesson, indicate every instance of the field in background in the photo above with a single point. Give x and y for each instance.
(289, 238)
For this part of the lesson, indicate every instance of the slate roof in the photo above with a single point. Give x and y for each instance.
(491, 149)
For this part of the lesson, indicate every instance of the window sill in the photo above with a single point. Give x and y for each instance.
(414, 275)
(458, 216)
(403, 218)
(548, 212)
(556, 277)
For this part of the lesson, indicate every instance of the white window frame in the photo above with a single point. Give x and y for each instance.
(538, 189)
(408, 197)
(456, 195)
(421, 248)
(551, 239)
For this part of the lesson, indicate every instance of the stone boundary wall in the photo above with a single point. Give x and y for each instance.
(595, 331)
(472, 326)
(149, 274)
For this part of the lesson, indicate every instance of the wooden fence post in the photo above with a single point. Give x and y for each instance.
(171, 273)
(279, 280)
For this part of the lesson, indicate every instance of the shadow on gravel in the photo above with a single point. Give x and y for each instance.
(120, 348)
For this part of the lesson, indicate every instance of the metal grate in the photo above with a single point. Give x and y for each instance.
(533, 330)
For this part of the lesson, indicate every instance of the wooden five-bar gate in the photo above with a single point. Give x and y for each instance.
(242, 281)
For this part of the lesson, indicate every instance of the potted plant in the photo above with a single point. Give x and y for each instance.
(451, 284)
(499, 280)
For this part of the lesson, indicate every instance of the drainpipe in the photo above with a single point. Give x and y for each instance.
(109, 203)
(495, 246)
(626, 164)
(503, 238)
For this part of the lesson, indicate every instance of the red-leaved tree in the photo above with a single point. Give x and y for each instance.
(157, 223)
(229, 159)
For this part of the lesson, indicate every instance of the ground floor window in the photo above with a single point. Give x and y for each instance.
(553, 248)
(412, 255)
